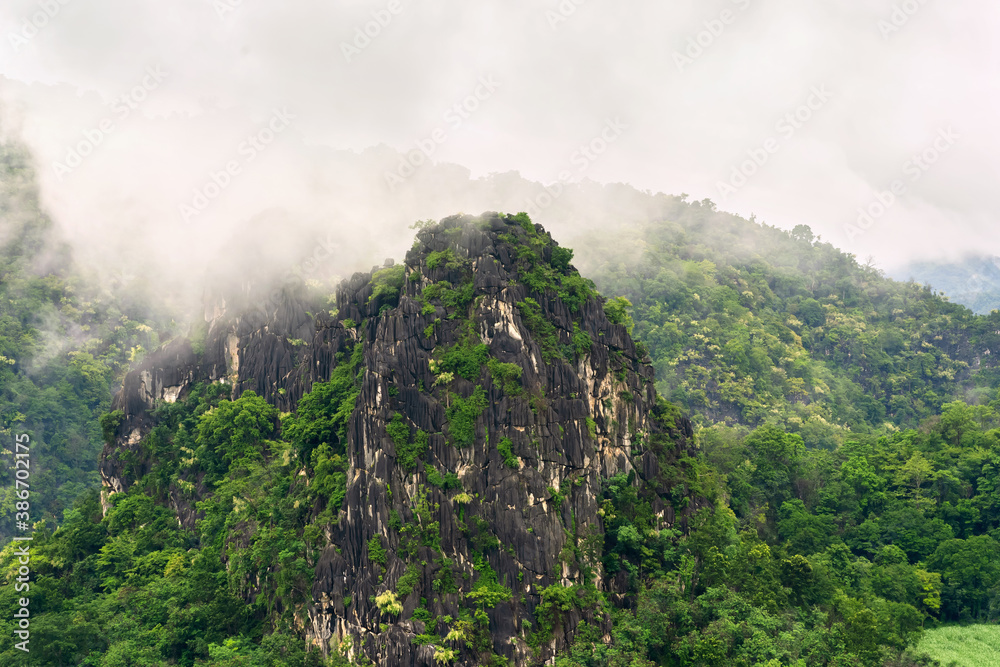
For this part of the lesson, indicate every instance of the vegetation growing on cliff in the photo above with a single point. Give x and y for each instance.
(824, 536)
(256, 537)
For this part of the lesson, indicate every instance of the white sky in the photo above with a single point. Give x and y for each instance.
(228, 67)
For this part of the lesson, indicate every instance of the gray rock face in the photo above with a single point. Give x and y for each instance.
(251, 344)
(529, 515)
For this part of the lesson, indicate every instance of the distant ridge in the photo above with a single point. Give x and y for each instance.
(973, 282)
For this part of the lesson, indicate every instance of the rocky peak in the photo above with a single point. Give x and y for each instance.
(495, 398)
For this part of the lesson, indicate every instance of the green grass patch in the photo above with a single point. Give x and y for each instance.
(457, 298)
(446, 258)
(557, 497)
(543, 331)
(376, 552)
(445, 482)
(616, 310)
(964, 646)
(487, 591)
(409, 580)
(556, 274)
(408, 450)
(524, 220)
(582, 343)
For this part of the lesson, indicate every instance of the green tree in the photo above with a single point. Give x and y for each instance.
(970, 571)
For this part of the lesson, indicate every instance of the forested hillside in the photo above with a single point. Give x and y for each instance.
(972, 281)
(465, 458)
(63, 343)
(747, 323)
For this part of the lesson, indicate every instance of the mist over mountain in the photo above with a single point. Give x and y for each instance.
(464, 456)
(165, 106)
(973, 281)
(499, 334)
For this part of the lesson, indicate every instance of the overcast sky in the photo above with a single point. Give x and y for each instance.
(833, 100)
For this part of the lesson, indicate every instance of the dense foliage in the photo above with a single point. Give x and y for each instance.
(747, 323)
(849, 451)
(824, 557)
(224, 591)
(63, 345)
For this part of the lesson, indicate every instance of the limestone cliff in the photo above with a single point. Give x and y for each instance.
(496, 398)
(252, 343)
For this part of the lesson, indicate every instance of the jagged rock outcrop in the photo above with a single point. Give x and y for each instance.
(496, 397)
(256, 343)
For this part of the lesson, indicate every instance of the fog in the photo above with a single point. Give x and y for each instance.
(255, 135)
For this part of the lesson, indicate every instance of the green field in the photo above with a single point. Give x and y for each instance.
(968, 646)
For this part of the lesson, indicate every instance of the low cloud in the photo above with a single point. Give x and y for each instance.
(128, 203)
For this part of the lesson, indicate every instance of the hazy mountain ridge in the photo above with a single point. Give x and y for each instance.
(973, 282)
(749, 323)
(296, 472)
(377, 519)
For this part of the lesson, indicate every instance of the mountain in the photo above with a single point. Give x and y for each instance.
(457, 473)
(747, 323)
(462, 459)
(973, 282)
